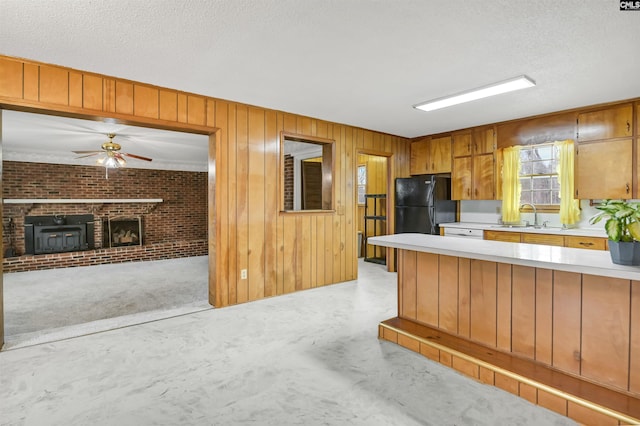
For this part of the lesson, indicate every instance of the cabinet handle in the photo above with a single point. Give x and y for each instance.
(585, 244)
(627, 187)
(468, 147)
(628, 126)
(476, 191)
(469, 192)
(433, 166)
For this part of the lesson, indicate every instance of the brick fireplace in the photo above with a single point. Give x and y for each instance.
(175, 227)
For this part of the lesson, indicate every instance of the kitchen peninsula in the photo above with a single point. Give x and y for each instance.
(557, 326)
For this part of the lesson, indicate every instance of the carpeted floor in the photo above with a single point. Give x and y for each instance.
(59, 303)
(307, 358)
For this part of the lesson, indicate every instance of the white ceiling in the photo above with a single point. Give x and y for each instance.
(48, 139)
(358, 62)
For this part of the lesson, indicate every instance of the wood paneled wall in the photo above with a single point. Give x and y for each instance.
(584, 325)
(281, 252)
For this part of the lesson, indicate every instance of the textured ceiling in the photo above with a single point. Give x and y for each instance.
(358, 62)
(41, 138)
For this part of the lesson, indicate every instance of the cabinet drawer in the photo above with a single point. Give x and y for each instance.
(548, 239)
(592, 243)
(511, 237)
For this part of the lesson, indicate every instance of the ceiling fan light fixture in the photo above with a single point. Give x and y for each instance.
(112, 162)
(517, 83)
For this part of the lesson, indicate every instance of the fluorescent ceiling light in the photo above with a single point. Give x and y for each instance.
(510, 85)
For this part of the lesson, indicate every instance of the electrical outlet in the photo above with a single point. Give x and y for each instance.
(243, 274)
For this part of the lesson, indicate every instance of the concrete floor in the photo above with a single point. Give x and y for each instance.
(309, 358)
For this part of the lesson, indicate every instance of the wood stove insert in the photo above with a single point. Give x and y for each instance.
(58, 234)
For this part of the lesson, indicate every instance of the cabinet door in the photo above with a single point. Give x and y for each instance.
(483, 140)
(483, 177)
(461, 179)
(604, 170)
(440, 155)
(548, 239)
(615, 122)
(419, 157)
(510, 237)
(461, 144)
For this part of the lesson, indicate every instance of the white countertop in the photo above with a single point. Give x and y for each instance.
(594, 262)
(580, 232)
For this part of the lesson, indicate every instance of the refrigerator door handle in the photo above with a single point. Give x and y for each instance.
(430, 191)
(432, 218)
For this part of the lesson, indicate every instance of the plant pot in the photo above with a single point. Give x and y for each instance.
(625, 253)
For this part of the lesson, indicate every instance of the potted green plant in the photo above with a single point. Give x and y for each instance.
(622, 228)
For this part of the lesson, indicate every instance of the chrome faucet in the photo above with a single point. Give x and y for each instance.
(535, 213)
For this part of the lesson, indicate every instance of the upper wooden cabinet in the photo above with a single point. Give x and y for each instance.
(484, 141)
(461, 144)
(604, 169)
(430, 156)
(484, 181)
(609, 123)
(473, 173)
(440, 153)
(461, 188)
(604, 155)
(419, 157)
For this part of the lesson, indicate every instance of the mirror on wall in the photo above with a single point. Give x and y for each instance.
(306, 173)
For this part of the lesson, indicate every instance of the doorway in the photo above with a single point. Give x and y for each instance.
(374, 198)
(111, 281)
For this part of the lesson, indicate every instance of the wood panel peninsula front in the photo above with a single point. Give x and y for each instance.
(557, 326)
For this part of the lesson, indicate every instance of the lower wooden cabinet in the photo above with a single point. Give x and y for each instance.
(510, 237)
(591, 243)
(548, 239)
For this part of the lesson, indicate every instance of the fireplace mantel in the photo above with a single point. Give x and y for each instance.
(80, 200)
(25, 205)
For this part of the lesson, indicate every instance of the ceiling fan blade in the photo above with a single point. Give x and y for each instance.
(88, 155)
(87, 152)
(139, 157)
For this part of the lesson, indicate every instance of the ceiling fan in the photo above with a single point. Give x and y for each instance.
(113, 159)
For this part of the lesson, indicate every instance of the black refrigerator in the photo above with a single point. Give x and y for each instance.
(422, 203)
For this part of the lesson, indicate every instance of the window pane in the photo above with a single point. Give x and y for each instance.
(362, 175)
(538, 173)
(541, 197)
(542, 182)
(543, 167)
(526, 168)
(526, 155)
(545, 152)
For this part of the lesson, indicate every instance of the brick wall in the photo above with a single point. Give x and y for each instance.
(288, 182)
(180, 219)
